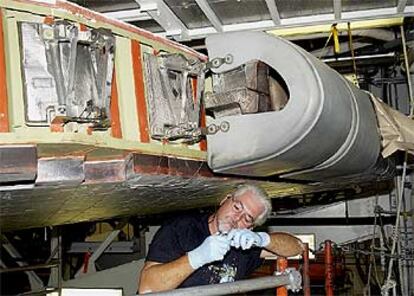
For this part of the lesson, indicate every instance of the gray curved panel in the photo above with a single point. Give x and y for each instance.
(327, 129)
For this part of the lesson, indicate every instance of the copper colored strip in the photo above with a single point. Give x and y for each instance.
(115, 122)
(83, 28)
(57, 124)
(150, 164)
(49, 20)
(56, 128)
(140, 91)
(161, 165)
(194, 89)
(203, 142)
(106, 171)
(4, 111)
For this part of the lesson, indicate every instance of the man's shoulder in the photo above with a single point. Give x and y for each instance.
(188, 219)
(188, 230)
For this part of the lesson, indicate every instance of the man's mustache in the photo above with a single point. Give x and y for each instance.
(228, 221)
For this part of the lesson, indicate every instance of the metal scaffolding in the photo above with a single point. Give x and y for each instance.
(290, 278)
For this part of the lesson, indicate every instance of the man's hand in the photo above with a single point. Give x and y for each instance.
(212, 249)
(245, 239)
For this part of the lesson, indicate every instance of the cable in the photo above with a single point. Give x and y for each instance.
(372, 257)
(351, 47)
(324, 47)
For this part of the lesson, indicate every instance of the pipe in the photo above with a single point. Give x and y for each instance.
(328, 268)
(28, 267)
(241, 286)
(282, 264)
(306, 279)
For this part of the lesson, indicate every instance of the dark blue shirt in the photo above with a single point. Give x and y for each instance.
(180, 235)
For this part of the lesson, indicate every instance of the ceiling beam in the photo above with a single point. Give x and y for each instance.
(130, 15)
(210, 14)
(308, 19)
(165, 17)
(401, 6)
(337, 4)
(309, 24)
(274, 12)
(326, 27)
(370, 13)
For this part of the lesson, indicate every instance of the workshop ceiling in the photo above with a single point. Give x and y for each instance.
(185, 20)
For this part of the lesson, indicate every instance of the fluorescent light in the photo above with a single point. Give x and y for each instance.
(86, 292)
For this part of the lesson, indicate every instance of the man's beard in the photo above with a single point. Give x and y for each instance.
(225, 224)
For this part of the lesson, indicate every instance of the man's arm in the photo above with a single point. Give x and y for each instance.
(280, 243)
(283, 244)
(164, 276)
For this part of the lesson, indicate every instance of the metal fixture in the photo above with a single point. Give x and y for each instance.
(175, 88)
(306, 279)
(318, 108)
(89, 265)
(329, 270)
(67, 73)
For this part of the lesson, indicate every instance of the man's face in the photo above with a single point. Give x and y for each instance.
(240, 212)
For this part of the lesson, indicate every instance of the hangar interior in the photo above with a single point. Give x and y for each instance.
(310, 100)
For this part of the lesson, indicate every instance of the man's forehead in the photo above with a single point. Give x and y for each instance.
(251, 202)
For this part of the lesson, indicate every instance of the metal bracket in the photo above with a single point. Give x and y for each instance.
(295, 279)
(100, 250)
(217, 62)
(212, 129)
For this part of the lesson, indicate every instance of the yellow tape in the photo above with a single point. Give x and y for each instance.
(337, 47)
(340, 26)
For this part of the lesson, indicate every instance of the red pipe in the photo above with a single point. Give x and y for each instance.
(282, 264)
(328, 268)
(306, 279)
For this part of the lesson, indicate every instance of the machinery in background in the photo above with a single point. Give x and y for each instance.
(151, 126)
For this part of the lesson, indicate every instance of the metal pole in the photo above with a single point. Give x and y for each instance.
(29, 267)
(306, 279)
(98, 252)
(406, 285)
(351, 48)
(236, 287)
(35, 282)
(282, 264)
(328, 269)
(407, 70)
(395, 237)
(55, 248)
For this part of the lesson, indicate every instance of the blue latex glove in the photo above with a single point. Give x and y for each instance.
(212, 249)
(245, 238)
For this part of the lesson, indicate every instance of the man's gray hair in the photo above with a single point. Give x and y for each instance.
(261, 196)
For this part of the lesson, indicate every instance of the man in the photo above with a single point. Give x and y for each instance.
(207, 249)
